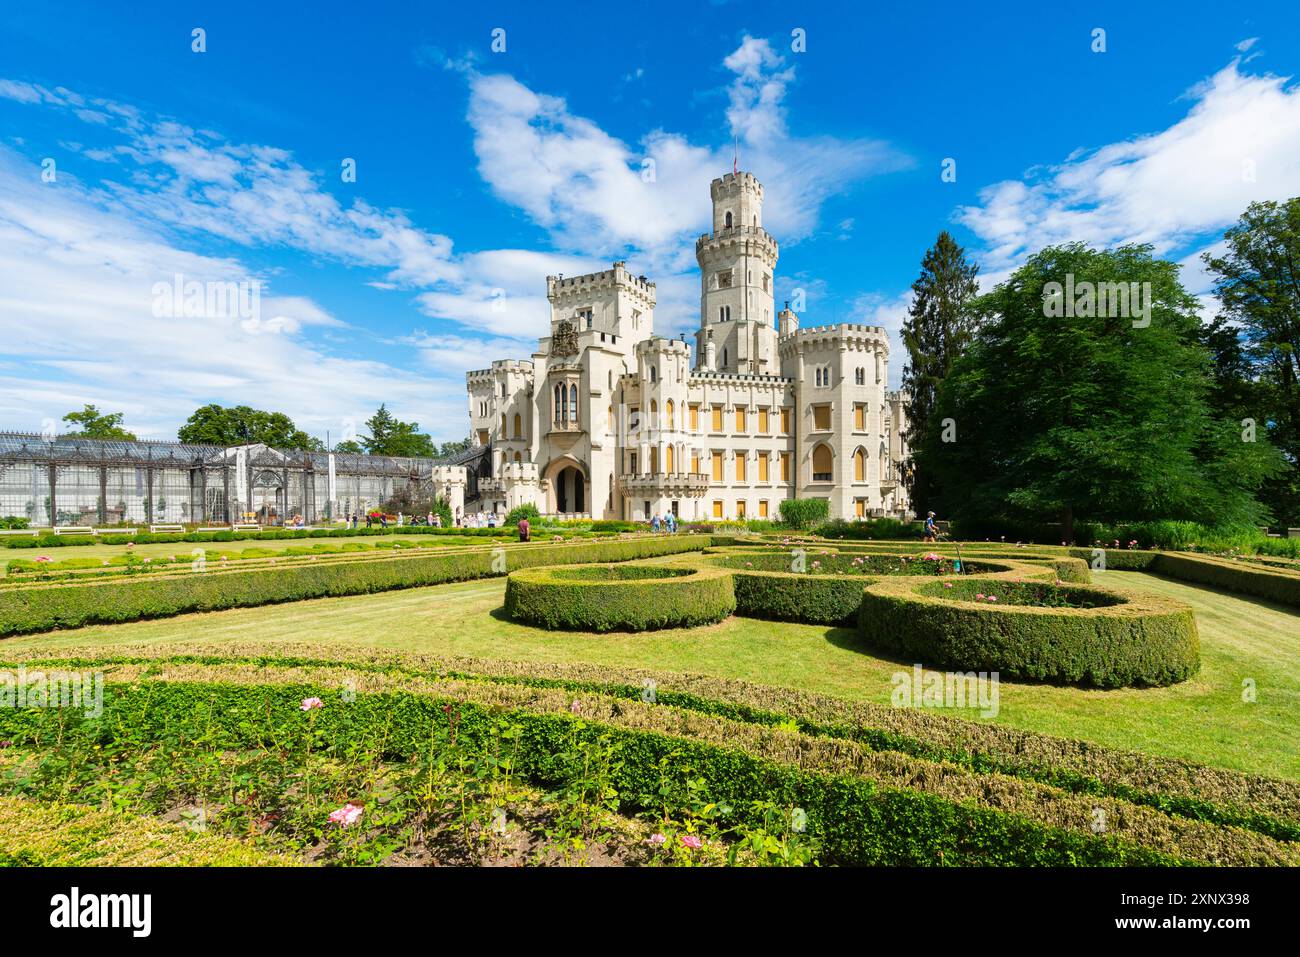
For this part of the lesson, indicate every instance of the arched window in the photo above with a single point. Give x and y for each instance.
(610, 417)
(669, 410)
(668, 460)
(823, 464)
(724, 357)
(559, 403)
(519, 426)
(860, 465)
(518, 458)
(573, 403)
(503, 425)
(728, 220)
(654, 414)
(654, 374)
(860, 376)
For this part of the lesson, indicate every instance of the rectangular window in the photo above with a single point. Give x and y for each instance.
(632, 457)
(762, 466)
(859, 507)
(695, 463)
(762, 421)
(740, 509)
(860, 417)
(740, 420)
(762, 508)
(740, 466)
(695, 418)
(717, 418)
(785, 466)
(822, 418)
(717, 466)
(633, 418)
(717, 508)
(785, 421)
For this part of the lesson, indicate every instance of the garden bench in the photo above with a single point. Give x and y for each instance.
(245, 527)
(20, 531)
(115, 531)
(166, 529)
(75, 530)
(214, 528)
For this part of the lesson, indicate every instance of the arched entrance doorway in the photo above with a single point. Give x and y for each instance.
(568, 492)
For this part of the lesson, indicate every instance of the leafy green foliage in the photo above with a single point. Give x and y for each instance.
(804, 512)
(93, 424)
(939, 325)
(242, 425)
(1257, 281)
(1089, 416)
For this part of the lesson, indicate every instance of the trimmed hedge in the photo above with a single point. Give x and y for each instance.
(814, 599)
(1139, 640)
(1073, 570)
(69, 835)
(619, 597)
(43, 607)
(1277, 585)
(1266, 805)
(865, 807)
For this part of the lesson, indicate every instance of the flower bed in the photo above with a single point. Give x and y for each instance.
(863, 805)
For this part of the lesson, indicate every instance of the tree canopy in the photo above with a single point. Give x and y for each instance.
(1087, 412)
(1257, 282)
(93, 424)
(242, 425)
(939, 326)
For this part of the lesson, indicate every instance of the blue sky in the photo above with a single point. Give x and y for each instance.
(480, 172)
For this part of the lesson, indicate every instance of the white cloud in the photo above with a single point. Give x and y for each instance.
(1239, 142)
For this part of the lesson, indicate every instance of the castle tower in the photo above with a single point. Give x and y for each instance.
(737, 275)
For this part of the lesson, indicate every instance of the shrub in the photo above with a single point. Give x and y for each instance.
(619, 597)
(866, 807)
(804, 512)
(41, 607)
(872, 528)
(521, 512)
(1136, 640)
(1279, 585)
(817, 599)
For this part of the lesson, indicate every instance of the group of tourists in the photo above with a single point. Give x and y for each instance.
(668, 523)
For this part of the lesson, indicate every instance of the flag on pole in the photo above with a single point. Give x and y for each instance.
(735, 163)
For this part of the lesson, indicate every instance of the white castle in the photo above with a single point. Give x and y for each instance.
(608, 420)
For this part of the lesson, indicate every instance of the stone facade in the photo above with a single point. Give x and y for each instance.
(609, 420)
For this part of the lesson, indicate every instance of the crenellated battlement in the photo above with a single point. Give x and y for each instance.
(561, 288)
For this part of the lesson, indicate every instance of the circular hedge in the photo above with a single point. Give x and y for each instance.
(1071, 634)
(623, 597)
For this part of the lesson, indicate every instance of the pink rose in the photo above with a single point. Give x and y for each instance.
(309, 703)
(690, 840)
(348, 814)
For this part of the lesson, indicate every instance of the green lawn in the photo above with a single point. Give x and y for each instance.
(1202, 720)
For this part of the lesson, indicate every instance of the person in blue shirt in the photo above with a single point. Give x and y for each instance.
(654, 525)
(931, 532)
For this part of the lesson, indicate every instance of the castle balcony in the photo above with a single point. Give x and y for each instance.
(657, 485)
(491, 487)
(733, 233)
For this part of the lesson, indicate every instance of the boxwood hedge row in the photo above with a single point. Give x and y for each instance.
(1266, 805)
(619, 597)
(43, 607)
(865, 807)
(1143, 640)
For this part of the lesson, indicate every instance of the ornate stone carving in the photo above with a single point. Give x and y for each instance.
(565, 340)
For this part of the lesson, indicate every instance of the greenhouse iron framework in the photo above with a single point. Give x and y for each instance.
(67, 481)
